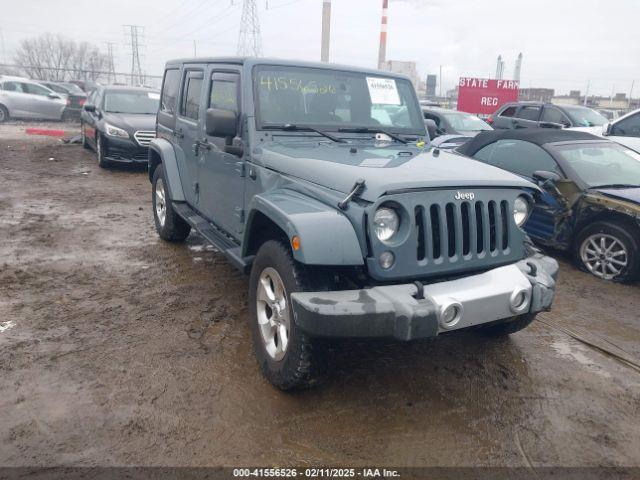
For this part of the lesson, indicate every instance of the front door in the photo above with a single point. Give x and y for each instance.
(221, 174)
(187, 132)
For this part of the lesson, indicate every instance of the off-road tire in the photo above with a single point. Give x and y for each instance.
(627, 235)
(302, 364)
(175, 228)
(4, 114)
(102, 161)
(507, 327)
(85, 143)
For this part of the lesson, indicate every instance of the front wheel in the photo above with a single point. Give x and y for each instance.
(609, 251)
(289, 359)
(169, 225)
(510, 326)
(4, 114)
(102, 161)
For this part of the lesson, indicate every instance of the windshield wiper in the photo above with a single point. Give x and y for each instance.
(617, 185)
(304, 128)
(373, 130)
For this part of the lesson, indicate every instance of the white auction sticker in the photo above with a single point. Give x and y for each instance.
(383, 91)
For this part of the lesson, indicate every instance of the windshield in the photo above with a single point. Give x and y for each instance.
(464, 121)
(73, 88)
(584, 117)
(132, 102)
(333, 100)
(601, 164)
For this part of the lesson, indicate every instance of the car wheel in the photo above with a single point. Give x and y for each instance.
(609, 251)
(289, 359)
(507, 327)
(102, 161)
(4, 114)
(83, 132)
(169, 225)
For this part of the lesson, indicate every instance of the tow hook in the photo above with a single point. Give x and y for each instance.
(419, 295)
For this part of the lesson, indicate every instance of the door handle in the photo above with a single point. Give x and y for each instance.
(179, 134)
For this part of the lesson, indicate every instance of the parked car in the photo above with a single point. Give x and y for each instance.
(348, 225)
(538, 114)
(119, 122)
(608, 113)
(449, 142)
(452, 122)
(625, 130)
(74, 95)
(590, 200)
(25, 99)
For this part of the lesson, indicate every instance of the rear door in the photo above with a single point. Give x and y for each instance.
(504, 117)
(188, 130)
(221, 174)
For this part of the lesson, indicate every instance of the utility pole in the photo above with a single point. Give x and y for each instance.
(111, 68)
(249, 38)
(326, 30)
(135, 32)
(440, 95)
(633, 82)
(382, 49)
(586, 95)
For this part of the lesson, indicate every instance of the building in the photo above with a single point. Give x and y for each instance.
(537, 94)
(432, 83)
(405, 68)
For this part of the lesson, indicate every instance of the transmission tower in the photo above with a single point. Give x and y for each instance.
(135, 32)
(111, 67)
(249, 39)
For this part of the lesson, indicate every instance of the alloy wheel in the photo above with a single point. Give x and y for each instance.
(604, 255)
(274, 319)
(161, 204)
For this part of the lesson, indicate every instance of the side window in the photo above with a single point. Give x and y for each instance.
(92, 98)
(224, 95)
(13, 87)
(170, 87)
(34, 89)
(629, 126)
(554, 115)
(529, 113)
(98, 99)
(508, 112)
(190, 102)
(522, 158)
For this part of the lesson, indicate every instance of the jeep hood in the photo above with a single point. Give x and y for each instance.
(384, 168)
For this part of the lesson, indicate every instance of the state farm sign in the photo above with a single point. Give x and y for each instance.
(484, 96)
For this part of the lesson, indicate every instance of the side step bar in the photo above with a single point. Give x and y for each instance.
(214, 236)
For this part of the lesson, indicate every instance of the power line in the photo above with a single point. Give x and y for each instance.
(249, 38)
(111, 68)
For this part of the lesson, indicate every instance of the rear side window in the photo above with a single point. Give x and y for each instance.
(629, 126)
(522, 157)
(529, 113)
(508, 112)
(190, 105)
(170, 87)
(13, 87)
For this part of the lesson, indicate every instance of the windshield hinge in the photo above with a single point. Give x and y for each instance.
(355, 191)
(241, 168)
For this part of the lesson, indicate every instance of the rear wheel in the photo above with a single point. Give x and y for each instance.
(609, 251)
(507, 327)
(289, 359)
(169, 225)
(4, 114)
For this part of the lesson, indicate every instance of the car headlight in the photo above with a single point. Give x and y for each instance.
(115, 131)
(521, 210)
(386, 223)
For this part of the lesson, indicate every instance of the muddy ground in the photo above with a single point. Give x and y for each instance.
(117, 348)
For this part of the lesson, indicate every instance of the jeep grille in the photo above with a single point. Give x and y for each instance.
(144, 137)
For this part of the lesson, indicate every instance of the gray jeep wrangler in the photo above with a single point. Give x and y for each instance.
(319, 181)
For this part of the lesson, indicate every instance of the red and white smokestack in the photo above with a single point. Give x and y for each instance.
(382, 52)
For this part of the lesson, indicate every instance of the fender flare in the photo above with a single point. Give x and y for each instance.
(327, 237)
(161, 151)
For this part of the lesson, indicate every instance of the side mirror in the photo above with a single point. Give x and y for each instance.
(606, 129)
(221, 123)
(432, 128)
(89, 108)
(543, 177)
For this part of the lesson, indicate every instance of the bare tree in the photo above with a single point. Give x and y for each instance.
(54, 57)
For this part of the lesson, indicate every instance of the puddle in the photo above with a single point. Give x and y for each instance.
(577, 353)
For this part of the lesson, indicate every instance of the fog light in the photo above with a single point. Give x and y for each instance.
(386, 260)
(519, 300)
(450, 314)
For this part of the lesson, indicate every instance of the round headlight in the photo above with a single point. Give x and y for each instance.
(386, 223)
(520, 210)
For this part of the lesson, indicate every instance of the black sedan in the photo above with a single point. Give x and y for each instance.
(589, 202)
(452, 122)
(76, 98)
(119, 123)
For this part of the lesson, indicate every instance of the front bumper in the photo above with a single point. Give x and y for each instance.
(122, 150)
(524, 287)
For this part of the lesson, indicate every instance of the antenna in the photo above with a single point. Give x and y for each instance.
(135, 32)
(249, 39)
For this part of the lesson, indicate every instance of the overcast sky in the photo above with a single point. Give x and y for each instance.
(565, 42)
